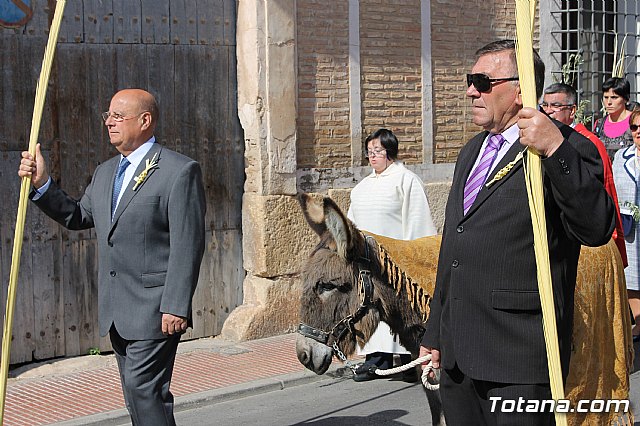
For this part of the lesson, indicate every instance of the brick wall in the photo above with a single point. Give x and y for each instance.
(456, 33)
(323, 84)
(390, 67)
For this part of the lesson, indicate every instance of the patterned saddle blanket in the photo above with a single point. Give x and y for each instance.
(602, 348)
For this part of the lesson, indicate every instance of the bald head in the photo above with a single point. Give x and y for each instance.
(140, 115)
(141, 100)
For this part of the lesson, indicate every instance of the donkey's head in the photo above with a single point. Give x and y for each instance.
(334, 291)
(343, 294)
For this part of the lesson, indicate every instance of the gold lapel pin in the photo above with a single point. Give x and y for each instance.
(506, 169)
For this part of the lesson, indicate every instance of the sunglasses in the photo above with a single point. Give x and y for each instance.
(482, 82)
(633, 127)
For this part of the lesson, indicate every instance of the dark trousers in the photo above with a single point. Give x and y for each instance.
(384, 360)
(145, 369)
(469, 402)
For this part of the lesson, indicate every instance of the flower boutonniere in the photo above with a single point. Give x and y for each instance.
(506, 169)
(150, 165)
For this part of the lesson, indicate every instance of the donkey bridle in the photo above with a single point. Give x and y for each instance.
(345, 325)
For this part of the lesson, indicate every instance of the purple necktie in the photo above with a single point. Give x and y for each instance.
(479, 175)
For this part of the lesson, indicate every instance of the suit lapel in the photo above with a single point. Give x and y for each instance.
(102, 191)
(129, 193)
(486, 192)
(115, 162)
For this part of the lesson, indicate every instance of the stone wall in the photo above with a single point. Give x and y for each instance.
(276, 243)
(267, 110)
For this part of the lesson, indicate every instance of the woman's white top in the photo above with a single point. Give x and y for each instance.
(626, 175)
(391, 204)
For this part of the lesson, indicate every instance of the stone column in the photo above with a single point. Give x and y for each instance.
(270, 215)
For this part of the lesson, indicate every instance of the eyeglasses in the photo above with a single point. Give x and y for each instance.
(633, 127)
(482, 82)
(118, 117)
(555, 106)
(375, 153)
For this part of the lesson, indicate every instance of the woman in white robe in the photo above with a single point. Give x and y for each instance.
(390, 202)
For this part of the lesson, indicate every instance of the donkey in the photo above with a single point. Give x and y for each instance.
(345, 265)
(352, 281)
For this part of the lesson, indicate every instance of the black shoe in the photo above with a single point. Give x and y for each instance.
(365, 372)
(365, 377)
(365, 366)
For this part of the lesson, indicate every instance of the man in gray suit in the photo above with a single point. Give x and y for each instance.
(147, 207)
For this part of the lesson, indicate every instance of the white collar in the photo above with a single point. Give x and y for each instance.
(512, 134)
(140, 152)
(391, 168)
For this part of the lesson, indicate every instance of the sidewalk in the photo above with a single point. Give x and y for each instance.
(86, 390)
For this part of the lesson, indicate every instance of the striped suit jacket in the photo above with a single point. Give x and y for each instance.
(486, 313)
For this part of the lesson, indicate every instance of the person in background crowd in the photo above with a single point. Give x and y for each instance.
(613, 128)
(626, 172)
(560, 103)
(390, 202)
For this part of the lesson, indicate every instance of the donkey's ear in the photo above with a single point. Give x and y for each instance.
(338, 226)
(313, 212)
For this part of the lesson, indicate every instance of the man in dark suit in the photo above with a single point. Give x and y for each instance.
(485, 326)
(147, 207)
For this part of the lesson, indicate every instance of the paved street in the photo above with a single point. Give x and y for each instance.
(634, 396)
(224, 383)
(334, 401)
(328, 402)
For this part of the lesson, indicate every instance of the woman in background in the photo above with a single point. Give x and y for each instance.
(626, 174)
(390, 202)
(613, 129)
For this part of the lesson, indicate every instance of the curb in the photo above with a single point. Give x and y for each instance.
(216, 396)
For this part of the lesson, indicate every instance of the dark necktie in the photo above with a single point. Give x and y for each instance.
(479, 175)
(117, 184)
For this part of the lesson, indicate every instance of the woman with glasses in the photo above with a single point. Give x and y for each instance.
(626, 173)
(613, 128)
(390, 202)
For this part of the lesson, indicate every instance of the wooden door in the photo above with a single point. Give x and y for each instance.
(182, 51)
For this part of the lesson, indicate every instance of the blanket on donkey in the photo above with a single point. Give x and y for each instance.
(602, 349)
(412, 266)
